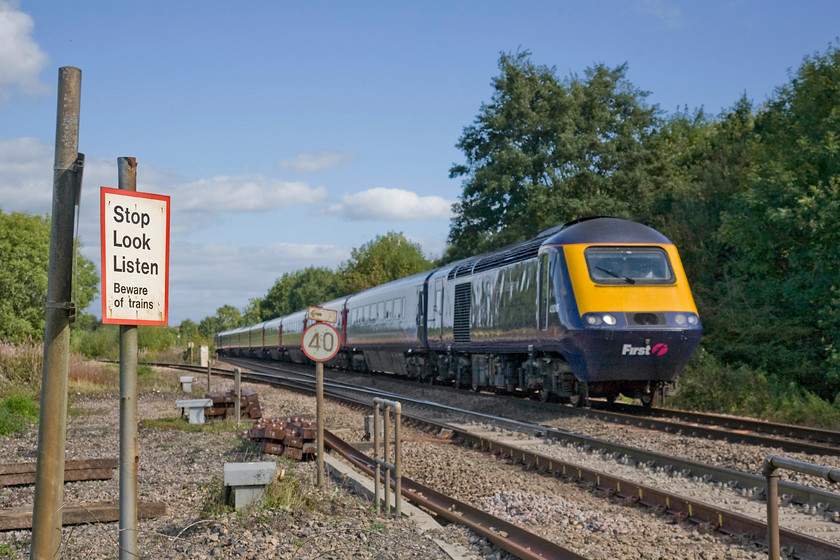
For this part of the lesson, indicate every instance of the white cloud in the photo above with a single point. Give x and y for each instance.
(26, 176)
(382, 204)
(318, 160)
(245, 193)
(204, 277)
(21, 59)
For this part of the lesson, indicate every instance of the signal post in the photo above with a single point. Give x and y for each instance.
(135, 291)
(320, 344)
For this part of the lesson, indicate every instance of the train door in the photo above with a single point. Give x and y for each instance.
(544, 285)
(436, 311)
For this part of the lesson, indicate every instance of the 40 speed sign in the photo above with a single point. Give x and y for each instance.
(320, 342)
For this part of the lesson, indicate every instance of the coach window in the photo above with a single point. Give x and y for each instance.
(389, 309)
(380, 312)
(398, 308)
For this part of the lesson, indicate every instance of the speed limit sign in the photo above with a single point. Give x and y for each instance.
(320, 342)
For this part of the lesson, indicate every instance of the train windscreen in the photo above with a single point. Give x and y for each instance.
(629, 265)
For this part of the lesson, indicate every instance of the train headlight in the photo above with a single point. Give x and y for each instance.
(680, 319)
(609, 319)
(692, 319)
(593, 320)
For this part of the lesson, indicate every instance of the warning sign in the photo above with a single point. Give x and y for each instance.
(135, 257)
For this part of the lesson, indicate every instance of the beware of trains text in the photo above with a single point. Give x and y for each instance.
(135, 257)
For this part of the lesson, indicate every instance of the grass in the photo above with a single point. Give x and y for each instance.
(17, 411)
(183, 424)
(288, 492)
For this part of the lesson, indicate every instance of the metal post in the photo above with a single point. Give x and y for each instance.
(237, 378)
(386, 455)
(319, 420)
(397, 461)
(376, 492)
(52, 430)
(772, 475)
(209, 371)
(129, 455)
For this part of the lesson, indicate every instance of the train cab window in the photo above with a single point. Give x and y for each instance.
(628, 265)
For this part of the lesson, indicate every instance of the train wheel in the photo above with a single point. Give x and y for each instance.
(611, 397)
(580, 395)
(647, 399)
(544, 395)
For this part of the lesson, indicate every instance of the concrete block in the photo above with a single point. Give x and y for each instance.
(196, 408)
(248, 481)
(186, 383)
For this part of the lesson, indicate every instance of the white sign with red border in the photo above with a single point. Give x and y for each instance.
(135, 257)
(320, 342)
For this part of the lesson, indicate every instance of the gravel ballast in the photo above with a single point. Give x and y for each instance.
(182, 468)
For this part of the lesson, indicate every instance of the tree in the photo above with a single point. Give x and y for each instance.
(546, 151)
(25, 246)
(226, 318)
(386, 258)
(784, 229)
(298, 290)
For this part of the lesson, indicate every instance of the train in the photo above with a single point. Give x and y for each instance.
(596, 307)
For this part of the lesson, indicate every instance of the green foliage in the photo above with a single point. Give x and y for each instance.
(95, 340)
(227, 317)
(546, 151)
(286, 493)
(709, 385)
(17, 411)
(783, 230)
(298, 290)
(25, 246)
(214, 502)
(386, 258)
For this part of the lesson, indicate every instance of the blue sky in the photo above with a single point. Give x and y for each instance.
(289, 133)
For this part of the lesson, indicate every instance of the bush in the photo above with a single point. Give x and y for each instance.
(16, 412)
(710, 386)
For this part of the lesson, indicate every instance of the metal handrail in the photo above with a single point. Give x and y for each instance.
(772, 465)
(396, 466)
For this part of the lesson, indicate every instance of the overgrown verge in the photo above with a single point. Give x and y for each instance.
(710, 386)
(290, 491)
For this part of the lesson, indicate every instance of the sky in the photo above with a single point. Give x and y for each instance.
(288, 133)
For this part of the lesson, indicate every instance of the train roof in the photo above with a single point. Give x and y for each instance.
(598, 229)
(602, 230)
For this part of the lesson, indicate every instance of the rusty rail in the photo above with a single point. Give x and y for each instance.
(507, 536)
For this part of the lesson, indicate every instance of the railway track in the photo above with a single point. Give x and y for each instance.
(789, 438)
(710, 517)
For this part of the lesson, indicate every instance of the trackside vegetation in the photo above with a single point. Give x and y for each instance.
(750, 197)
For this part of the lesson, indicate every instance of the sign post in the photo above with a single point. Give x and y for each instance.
(320, 344)
(135, 291)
